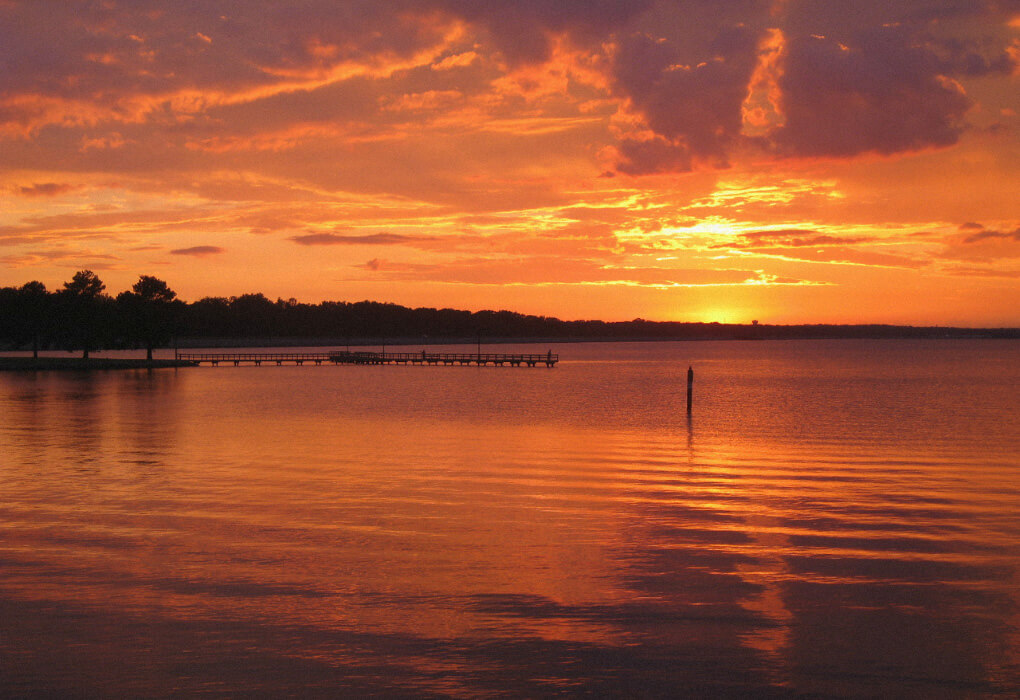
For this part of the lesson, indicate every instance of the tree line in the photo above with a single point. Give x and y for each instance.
(81, 316)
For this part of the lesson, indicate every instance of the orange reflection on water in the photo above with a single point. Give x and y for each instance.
(437, 531)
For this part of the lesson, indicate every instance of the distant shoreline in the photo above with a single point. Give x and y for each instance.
(26, 364)
(745, 333)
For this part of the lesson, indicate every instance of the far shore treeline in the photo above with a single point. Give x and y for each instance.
(82, 316)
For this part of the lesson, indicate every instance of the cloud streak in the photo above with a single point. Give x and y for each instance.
(315, 239)
(199, 251)
(46, 189)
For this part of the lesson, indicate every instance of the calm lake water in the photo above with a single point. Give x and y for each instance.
(836, 518)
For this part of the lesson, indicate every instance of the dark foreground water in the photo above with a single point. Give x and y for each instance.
(837, 518)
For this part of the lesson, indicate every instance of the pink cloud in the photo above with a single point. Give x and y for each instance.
(199, 251)
(46, 189)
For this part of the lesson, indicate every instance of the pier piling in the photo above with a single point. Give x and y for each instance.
(690, 387)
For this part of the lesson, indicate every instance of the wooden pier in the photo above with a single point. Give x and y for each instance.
(344, 357)
(254, 358)
(548, 359)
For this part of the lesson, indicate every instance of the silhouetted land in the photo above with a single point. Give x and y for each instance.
(78, 363)
(82, 317)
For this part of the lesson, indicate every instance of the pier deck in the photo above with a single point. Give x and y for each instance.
(343, 357)
(255, 358)
(445, 358)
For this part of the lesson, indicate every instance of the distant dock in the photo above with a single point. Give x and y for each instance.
(548, 359)
(343, 357)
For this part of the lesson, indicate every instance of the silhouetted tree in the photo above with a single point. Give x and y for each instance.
(35, 314)
(9, 305)
(85, 313)
(254, 316)
(149, 312)
(208, 317)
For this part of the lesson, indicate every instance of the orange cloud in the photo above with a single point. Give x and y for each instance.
(560, 271)
(975, 243)
(762, 109)
(459, 60)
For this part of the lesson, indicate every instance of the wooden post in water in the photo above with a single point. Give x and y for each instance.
(690, 387)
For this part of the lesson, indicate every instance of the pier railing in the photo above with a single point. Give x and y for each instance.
(347, 357)
(257, 358)
(548, 359)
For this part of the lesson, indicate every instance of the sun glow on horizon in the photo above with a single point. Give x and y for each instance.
(717, 315)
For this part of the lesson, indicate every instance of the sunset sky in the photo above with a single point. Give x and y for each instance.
(787, 161)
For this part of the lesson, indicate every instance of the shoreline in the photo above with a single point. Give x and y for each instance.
(314, 341)
(27, 364)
